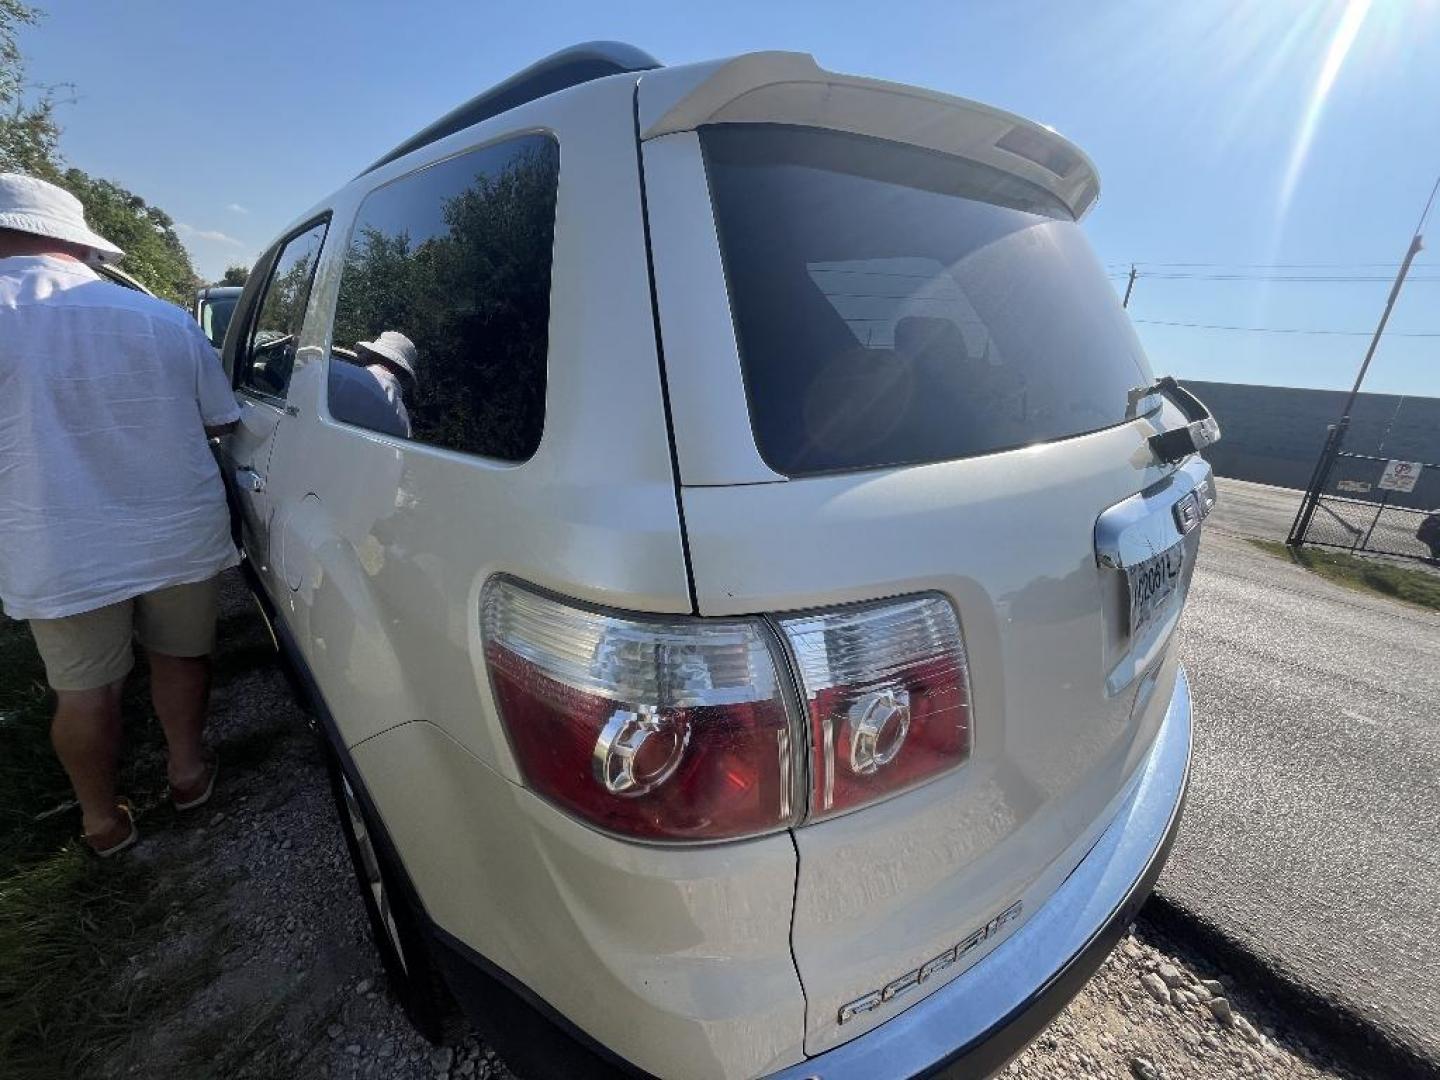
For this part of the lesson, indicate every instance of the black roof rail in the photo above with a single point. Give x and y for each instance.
(558, 71)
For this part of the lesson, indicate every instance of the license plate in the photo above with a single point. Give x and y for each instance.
(1152, 584)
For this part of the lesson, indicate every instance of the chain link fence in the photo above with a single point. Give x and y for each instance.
(1364, 507)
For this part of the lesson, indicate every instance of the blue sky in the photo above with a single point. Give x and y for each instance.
(1234, 135)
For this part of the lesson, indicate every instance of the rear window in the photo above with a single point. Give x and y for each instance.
(895, 305)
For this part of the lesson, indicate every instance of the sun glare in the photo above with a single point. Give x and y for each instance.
(1352, 18)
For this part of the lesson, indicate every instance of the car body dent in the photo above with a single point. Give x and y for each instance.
(424, 528)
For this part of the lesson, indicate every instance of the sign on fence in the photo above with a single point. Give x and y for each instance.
(1368, 503)
(1400, 476)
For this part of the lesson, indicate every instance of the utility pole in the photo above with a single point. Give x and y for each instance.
(1336, 436)
(1411, 252)
(1129, 287)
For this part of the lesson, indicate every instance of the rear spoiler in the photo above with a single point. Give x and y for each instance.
(790, 88)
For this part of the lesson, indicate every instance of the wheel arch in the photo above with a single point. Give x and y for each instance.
(527, 1031)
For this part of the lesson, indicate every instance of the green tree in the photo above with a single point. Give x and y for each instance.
(29, 136)
(473, 295)
(29, 143)
(153, 252)
(234, 275)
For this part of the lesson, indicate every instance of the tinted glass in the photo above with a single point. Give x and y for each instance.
(444, 303)
(269, 355)
(894, 305)
(215, 318)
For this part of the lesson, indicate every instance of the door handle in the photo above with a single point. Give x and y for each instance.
(249, 479)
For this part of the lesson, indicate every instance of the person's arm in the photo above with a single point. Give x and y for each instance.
(219, 411)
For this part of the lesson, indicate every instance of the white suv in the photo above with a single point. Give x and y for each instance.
(733, 542)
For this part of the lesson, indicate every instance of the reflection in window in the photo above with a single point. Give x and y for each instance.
(894, 305)
(215, 318)
(269, 356)
(445, 303)
(876, 296)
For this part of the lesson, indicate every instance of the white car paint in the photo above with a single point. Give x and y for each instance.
(726, 960)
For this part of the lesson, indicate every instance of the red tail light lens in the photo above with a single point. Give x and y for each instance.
(888, 694)
(662, 729)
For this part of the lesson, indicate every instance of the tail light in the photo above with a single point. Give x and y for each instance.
(887, 688)
(662, 729)
(678, 728)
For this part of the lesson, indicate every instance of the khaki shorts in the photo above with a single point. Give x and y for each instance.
(92, 649)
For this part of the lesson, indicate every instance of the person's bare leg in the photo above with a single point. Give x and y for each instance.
(86, 735)
(180, 688)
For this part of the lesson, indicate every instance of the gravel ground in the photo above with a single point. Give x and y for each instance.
(269, 970)
(267, 941)
(1156, 1010)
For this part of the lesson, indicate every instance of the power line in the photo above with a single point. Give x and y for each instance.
(1320, 279)
(1122, 275)
(1264, 266)
(1284, 329)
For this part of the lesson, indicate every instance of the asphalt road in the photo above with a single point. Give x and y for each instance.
(1246, 509)
(1312, 836)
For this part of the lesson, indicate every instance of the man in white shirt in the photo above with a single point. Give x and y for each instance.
(390, 360)
(113, 523)
(367, 385)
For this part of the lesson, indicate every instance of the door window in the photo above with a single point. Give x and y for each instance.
(265, 363)
(442, 324)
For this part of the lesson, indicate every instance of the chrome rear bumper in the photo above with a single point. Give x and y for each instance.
(973, 1026)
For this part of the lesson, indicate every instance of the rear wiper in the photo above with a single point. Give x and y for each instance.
(1201, 428)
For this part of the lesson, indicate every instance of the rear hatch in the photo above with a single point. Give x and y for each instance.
(899, 373)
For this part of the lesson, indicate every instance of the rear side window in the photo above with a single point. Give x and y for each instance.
(269, 355)
(442, 325)
(895, 305)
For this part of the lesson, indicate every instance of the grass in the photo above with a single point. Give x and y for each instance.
(60, 922)
(70, 923)
(66, 920)
(1412, 586)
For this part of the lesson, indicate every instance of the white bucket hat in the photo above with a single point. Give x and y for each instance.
(33, 206)
(395, 347)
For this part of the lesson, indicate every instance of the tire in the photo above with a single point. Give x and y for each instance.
(396, 925)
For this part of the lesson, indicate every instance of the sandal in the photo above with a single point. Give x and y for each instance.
(198, 793)
(116, 838)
